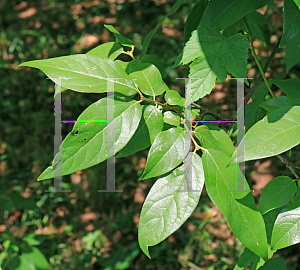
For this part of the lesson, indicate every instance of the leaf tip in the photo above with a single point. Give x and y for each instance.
(232, 161)
(143, 176)
(146, 251)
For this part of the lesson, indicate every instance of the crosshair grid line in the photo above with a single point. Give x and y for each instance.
(188, 121)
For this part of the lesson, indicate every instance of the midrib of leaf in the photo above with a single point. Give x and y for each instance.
(246, 222)
(149, 83)
(224, 11)
(98, 77)
(147, 119)
(100, 132)
(172, 195)
(295, 17)
(232, 56)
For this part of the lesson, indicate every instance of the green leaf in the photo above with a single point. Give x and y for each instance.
(86, 144)
(278, 132)
(194, 18)
(150, 126)
(233, 29)
(172, 97)
(148, 78)
(292, 52)
(286, 227)
(166, 208)
(20, 263)
(109, 50)
(195, 114)
(215, 139)
(278, 102)
(297, 196)
(258, 262)
(259, 27)
(33, 239)
(239, 208)
(274, 264)
(215, 55)
(290, 87)
(85, 73)
(123, 64)
(171, 118)
(297, 3)
(269, 219)
(150, 35)
(22, 203)
(207, 120)
(253, 112)
(166, 153)
(120, 38)
(245, 259)
(277, 193)
(291, 25)
(156, 62)
(223, 13)
(35, 257)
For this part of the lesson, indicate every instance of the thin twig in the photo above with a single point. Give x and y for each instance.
(289, 165)
(206, 110)
(154, 101)
(266, 67)
(262, 73)
(197, 146)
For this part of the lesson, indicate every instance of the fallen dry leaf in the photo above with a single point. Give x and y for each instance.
(27, 13)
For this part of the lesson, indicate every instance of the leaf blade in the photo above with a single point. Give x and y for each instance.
(171, 118)
(150, 35)
(165, 205)
(224, 13)
(281, 128)
(292, 52)
(215, 139)
(172, 97)
(215, 55)
(285, 232)
(277, 193)
(148, 78)
(239, 208)
(278, 102)
(85, 73)
(120, 38)
(291, 25)
(290, 87)
(109, 50)
(194, 18)
(150, 126)
(88, 147)
(166, 153)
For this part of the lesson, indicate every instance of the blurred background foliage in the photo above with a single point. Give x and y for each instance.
(85, 229)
